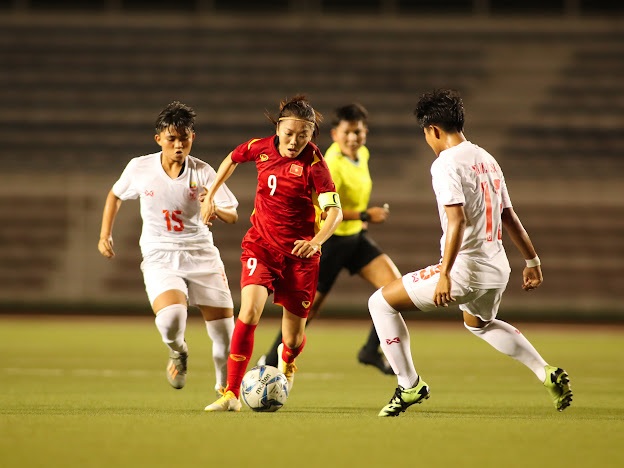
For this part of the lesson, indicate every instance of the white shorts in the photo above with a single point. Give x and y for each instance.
(199, 274)
(483, 303)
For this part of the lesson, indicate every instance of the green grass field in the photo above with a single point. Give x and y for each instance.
(91, 392)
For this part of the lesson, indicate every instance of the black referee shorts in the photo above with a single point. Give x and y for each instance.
(350, 252)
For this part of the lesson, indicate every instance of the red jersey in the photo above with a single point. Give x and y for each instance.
(287, 188)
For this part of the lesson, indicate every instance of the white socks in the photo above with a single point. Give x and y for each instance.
(394, 339)
(508, 340)
(171, 323)
(220, 332)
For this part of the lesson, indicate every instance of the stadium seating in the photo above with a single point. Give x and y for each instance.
(33, 243)
(80, 96)
(575, 129)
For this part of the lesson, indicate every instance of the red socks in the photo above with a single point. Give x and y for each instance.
(289, 355)
(241, 349)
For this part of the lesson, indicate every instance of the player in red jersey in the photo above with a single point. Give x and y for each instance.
(281, 250)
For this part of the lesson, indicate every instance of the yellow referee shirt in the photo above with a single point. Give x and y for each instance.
(353, 184)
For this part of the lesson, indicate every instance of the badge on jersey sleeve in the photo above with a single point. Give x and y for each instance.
(296, 169)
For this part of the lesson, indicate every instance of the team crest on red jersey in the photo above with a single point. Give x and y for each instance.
(305, 304)
(264, 157)
(296, 169)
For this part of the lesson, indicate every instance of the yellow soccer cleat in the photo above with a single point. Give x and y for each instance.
(403, 398)
(286, 368)
(228, 402)
(557, 383)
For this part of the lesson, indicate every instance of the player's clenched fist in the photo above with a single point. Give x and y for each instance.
(105, 246)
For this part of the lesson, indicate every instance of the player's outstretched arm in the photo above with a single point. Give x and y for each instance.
(227, 214)
(208, 207)
(111, 208)
(532, 273)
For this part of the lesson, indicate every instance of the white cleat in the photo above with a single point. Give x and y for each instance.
(176, 369)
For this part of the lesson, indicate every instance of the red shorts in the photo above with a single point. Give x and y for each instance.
(292, 280)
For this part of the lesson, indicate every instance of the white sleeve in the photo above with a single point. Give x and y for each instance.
(447, 184)
(123, 188)
(505, 198)
(504, 193)
(224, 196)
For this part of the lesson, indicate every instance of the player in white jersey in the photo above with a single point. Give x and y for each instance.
(474, 206)
(181, 265)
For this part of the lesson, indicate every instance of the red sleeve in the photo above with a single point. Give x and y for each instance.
(243, 153)
(321, 177)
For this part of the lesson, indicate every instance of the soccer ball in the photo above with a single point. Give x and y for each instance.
(264, 388)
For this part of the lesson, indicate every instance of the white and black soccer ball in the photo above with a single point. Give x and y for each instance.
(264, 388)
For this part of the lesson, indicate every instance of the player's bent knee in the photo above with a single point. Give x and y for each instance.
(377, 304)
(476, 329)
(472, 321)
(293, 341)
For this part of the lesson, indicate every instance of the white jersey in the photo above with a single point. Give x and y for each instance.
(467, 174)
(170, 208)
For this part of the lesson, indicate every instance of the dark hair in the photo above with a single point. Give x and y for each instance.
(176, 115)
(353, 112)
(298, 107)
(441, 107)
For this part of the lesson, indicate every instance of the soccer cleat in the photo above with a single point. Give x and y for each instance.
(176, 369)
(375, 359)
(286, 368)
(219, 390)
(557, 383)
(227, 402)
(404, 398)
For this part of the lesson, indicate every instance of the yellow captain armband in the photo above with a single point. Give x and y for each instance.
(329, 199)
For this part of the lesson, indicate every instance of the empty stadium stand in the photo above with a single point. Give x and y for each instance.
(575, 130)
(80, 94)
(33, 241)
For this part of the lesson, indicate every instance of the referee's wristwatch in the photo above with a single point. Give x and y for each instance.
(364, 216)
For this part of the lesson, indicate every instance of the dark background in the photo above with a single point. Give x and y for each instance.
(82, 82)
